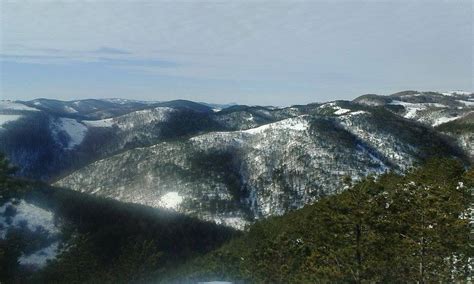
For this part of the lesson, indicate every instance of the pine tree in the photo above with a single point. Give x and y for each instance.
(8, 184)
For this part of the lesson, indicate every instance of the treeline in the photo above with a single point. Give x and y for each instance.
(102, 240)
(393, 229)
(112, 242)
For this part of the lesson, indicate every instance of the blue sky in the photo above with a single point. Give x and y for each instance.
(250, 52)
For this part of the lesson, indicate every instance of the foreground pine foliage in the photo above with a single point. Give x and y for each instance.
(397, 228)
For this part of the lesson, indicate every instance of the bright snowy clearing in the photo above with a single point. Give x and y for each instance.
(297, 123)
(28, 213)
(40, 258)
(75, 130)
(9, 105)
(171, 200)
(442, 120)
(4, 118)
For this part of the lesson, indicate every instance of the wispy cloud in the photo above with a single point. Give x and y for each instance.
(110, 50)
(115, 58)
(335, 48)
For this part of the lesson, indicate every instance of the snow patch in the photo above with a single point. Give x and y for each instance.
(29, 214)
(453, 93)
(9, 105)
(109, 122)
(411, 109)
(127, 101)
(298, 124)
(342, 111)
(171, 200)
(234, 222)
(337, 109)
(466, 103)
(69, 109)
(442, 120)
(40, 258)
(134, 119)
(4, 118)
(354, 113)
(74, 129)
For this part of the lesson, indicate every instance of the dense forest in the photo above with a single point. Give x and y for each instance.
(392, 228)
(103, 241)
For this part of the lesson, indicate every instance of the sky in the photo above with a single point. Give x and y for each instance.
(248, 52)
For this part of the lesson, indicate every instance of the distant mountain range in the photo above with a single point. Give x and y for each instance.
(231, 164)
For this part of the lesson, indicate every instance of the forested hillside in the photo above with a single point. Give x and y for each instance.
(234, 165)
(394, 229)
(90, 239)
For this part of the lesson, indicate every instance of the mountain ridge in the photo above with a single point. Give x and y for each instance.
(240, 163)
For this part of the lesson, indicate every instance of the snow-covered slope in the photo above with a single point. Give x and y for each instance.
(5, 118)
(46, 143)
(430, 108)
(234, 165)
(68, 130)
(14, 106)
(133, 120)
(234, 177)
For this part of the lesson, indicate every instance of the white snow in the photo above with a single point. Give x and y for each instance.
(411, 109)
(442, 120)
(234, 222)
(30, 214)
(4, 118)
(434, 105)
(126, 101)
(109, 122)
(75, 130)
(32, 217)
(342, 111)
(171, 200)
(40, 258)
(297, 123)
(452, 93)
(337, 109)
(466, 103)
(359, 112)
(133, 119)
(250, 118)
(9, 105)
(70, 109)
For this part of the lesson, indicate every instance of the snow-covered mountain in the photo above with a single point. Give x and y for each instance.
(233, 165)
(449, 112)
(235, 177)
(46, 142)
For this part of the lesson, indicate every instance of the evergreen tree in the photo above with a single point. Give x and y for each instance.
(8, 184)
